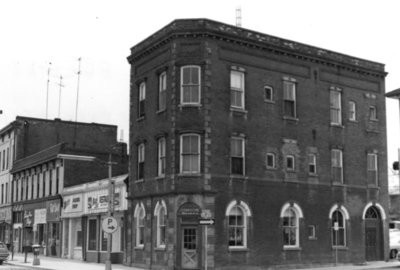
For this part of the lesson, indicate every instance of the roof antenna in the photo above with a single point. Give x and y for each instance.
(239, 17)
(47, 94)
(77, 89)
(59, 97)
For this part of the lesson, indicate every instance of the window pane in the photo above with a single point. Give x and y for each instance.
(237, 80)
(92, 234)
(289, 92)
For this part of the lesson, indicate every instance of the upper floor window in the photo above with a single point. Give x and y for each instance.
(162, 91)
(352, 111)
(190, 153)
(140, 159)
(372, 168)
(290, 163)
(337, 165)
(336, 107)
(237, 89)
(271, 161)
(268, 93)
(372, 113)
(237, 155)
(312, 163)
(289, 98)
(190, 85)
(142, 99)
(161, 157)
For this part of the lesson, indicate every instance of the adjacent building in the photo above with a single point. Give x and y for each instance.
(281, 144)
(84, 208)
(45, 156)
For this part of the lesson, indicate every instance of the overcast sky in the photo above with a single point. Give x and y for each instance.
(35, 33)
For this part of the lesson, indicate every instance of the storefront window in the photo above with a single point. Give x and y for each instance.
(79, 238)
(92, 233)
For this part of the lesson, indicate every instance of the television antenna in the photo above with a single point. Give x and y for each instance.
(77, 89)
(59, 96)
(47, 94)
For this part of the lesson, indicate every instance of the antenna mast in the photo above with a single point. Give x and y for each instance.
(59, 97)
(47, 94)
(77, 89)
(239, 17)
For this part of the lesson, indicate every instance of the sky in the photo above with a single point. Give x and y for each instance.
(34, 34)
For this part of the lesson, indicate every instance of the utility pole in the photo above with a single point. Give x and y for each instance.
(110, 211)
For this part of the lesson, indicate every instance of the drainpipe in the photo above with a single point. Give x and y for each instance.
(151, 234)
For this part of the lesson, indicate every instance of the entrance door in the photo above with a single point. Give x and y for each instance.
(190, 256)
(373, 235)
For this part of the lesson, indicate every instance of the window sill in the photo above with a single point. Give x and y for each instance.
(139, 180)
(161, 177)
(312, 238)
(140, 119)
(238, 249)
(336, 125)
(291, 118)
(338, 184)
(161, 248)
(190, 105)
(238, 111)
(340, 248)
(272, 168)
(312, 175)
(161, 111)
(287, 248)
(139, 248)
(238, 177)
(189, 174)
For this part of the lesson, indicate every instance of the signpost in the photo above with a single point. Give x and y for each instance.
(109, 225)
(206, 220)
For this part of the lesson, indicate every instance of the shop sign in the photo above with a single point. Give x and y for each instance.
(73, 203)
(28, 218)
(5, 214)
(101, 201)
(40, 216)
(189, 209)
(53, 210)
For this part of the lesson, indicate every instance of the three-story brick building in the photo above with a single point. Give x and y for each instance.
(281, 143)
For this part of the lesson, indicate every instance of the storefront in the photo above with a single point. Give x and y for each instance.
(54, 228)
(84, 208)
(5, 225)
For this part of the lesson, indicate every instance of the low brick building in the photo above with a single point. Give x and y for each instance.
(282, 144)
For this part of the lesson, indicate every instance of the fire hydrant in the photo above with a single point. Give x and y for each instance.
(36, 251)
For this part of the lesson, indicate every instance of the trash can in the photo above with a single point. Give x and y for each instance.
(36, 251)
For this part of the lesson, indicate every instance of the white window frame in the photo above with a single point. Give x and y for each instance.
(142, 99)
(337, 161)
(352, 111)
(294, 208)
(162, 91)
(336, 107)
(292, 157)
(244, 208)
(240, 89)
(182, 155)
(271, 90)
(373, 113)
(289, 94)
(341, 228)
(191, 102)
(273, 156)
(243, 156)
(157, 210)
(312, 162)
(140, 218)
(141, 159)
(161, 157)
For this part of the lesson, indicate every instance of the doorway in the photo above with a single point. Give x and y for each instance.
(190, 255)
(373, 235)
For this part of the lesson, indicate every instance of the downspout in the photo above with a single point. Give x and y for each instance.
(151, 234)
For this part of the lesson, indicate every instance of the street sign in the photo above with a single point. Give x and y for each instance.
(109, 225)
(210, 221)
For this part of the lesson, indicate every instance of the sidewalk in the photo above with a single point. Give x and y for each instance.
(51, 263)
(368, 265)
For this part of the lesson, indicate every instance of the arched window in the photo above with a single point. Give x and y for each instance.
(237, 214)
(139, 215)
(290, 214)
(338, 229)
(160, 212)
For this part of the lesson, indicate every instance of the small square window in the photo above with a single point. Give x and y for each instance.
(270, 161)
(372, 113)
(268, 93)
(311, 232)
(290, 163)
